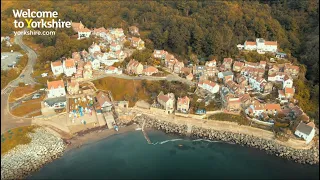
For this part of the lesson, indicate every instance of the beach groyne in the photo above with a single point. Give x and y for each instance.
(304, 156)
(21, 161)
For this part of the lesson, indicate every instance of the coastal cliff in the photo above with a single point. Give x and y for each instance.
(304, 156)
(24, 159)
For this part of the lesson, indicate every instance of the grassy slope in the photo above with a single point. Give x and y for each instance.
(15, 137)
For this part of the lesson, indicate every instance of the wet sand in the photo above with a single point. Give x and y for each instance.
(97, 135)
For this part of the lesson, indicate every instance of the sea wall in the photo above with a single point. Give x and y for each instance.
(310, 156)
(19, 162)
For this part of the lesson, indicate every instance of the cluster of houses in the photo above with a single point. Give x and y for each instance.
(135, 67)
(235, 81)
(262, 46)
(114, 37)
(170, 61)
(58, 91)
(83, 63)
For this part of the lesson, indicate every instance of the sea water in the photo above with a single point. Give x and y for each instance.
(130, 156)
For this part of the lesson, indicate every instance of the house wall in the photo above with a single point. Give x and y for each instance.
(304, 136)
(287, 84)
(57, 70)
(52, 93)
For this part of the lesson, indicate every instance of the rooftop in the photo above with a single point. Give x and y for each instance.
(302, 127)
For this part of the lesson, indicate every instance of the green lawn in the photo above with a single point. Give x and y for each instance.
(240, 119)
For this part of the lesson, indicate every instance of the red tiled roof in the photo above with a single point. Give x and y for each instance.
(163, 97)
(238, 64)
(55, 84)
(102, 98)
(289, 90)
(111, 68)
(101, 29)
(135, 39)
(73, 83)
(273, 107)
(311, 124)
(281, 92)
(184, 100)
(69, 63)
(84, 30)
(270, 43)
(151, 69)
(56, 63)
(227, 60)
(250, 43)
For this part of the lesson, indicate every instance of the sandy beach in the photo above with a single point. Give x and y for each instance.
(97, 135)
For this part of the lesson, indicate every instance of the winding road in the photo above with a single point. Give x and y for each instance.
(8, 121)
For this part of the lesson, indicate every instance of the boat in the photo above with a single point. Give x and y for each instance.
(116, 128)
(138, 129)
(180, 145)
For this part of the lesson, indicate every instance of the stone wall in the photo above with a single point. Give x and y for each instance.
(310, 156)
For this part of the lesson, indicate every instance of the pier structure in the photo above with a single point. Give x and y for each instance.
(145, 133)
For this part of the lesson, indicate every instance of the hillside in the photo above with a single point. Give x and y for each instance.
(202, 29)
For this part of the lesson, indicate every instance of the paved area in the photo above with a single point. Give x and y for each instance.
(8, 121)
(10, 60)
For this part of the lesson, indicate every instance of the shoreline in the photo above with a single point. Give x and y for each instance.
(302, 156)
(94, 136)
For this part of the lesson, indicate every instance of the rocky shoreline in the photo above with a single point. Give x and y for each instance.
(309, 156)
(25, 159)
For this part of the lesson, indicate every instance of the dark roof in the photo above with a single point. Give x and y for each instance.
(302, 127)
(52, 101)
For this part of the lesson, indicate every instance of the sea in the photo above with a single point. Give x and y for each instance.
(129, 156)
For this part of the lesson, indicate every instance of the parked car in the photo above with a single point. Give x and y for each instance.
(22, 76)
(36, 96)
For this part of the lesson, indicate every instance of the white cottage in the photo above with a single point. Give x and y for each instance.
(69, 67)
(209, 86)
(56, 89)
(57, 68)
(305, 131)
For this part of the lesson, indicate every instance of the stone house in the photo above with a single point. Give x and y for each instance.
(159, 54)
(212, 63)
(134, 67)
(166, 101)
(73, 87)
(177, 67)
(137, 43)
(134, 30)
(237, 66)
(227, 62)
(291, 69)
